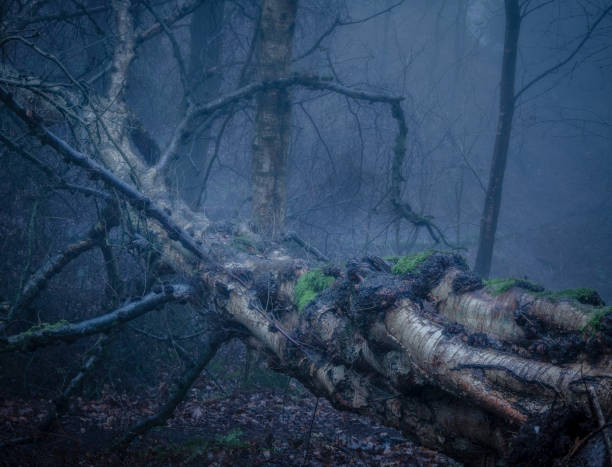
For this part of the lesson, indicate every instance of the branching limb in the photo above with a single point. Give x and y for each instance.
(177, 15)
(61, 403)
(51, 334)
(95, 170)
(21, 22)
(201, 195)
(567, 59)
(339, 23)
(55, 264)
(402, 208)
(48, 56)
(176, 50)
(182, 385)
(309, 248)
(315, 83)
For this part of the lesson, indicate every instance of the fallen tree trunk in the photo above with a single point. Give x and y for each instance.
(477, 371)
(380, 344)
(425, 347)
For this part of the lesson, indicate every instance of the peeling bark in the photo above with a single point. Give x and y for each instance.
(376, 345)
(431, 352)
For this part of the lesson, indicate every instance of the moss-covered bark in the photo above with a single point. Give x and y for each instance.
(392, 347)
(464, 369)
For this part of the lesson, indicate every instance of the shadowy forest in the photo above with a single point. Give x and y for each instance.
(306, 232)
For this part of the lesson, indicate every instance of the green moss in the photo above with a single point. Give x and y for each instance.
(411, 263)
(232, 439)
(594, 323)
(309, 286)
(582, 294)
(244, 243)
(46, 327)
(498, 286)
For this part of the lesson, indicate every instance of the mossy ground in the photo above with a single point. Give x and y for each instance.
(309, 286)
(244, 243)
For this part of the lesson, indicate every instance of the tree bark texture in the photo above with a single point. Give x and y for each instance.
(273, 116)
(493, 198)
(461, 369)
(479, 375)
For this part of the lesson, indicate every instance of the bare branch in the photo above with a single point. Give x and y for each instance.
(178, 15)
(181, 387)
(60, 404)
(59, 182)
(321, 38)
(567, 59)
(320, 136)
(41, 336)
(202, 192)
(62, 401)
(55, 264)
(526, 11)
(48, 56)
(402, 208)
(309, 248)
(176, 50)
(95, 170)
(186, 128)
(20, 23)
(338, 23)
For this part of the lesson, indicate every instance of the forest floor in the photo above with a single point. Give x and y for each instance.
(212, 427)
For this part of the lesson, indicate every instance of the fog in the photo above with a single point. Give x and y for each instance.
(445, 59)
(124, 94)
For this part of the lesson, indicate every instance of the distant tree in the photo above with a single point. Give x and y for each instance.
(484, 372)
(276, 30)
(515, 12)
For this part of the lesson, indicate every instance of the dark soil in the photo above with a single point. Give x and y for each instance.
(254, 427)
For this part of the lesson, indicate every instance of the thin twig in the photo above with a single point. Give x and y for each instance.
(307, 448)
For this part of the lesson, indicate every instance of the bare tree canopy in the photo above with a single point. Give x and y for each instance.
(195, 173)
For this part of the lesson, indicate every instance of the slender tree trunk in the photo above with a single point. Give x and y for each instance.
(271, 140)
(490, 215)
(480, 373)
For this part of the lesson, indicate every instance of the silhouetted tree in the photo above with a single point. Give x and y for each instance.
(514, 14)
(479, 372)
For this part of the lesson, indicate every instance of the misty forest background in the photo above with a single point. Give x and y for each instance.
(444, 57)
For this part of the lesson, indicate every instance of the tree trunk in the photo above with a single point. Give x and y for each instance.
(475, 373)
(435, 354)
(490, 214)
(273, 118)
(480, 374)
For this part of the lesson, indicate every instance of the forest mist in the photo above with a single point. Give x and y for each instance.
(175, 155)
